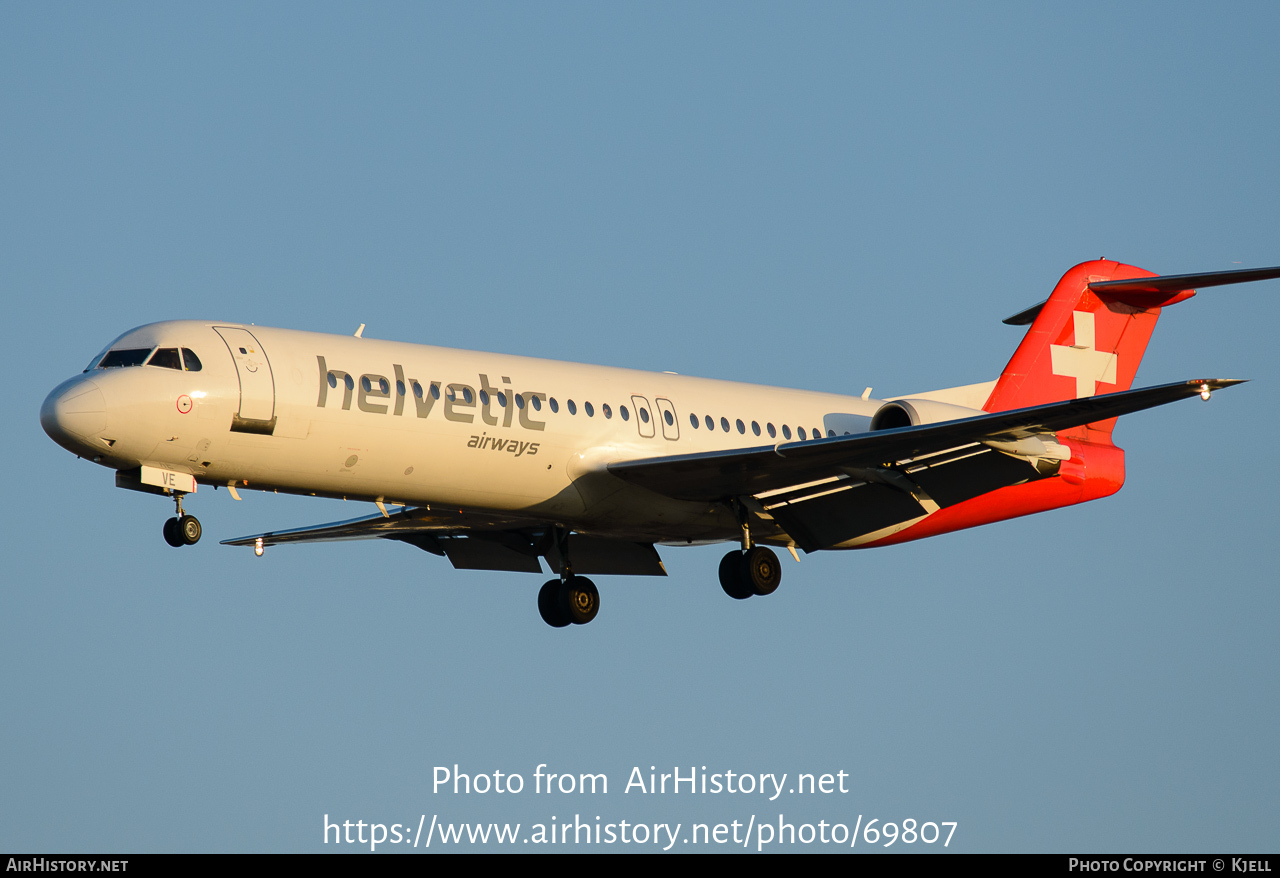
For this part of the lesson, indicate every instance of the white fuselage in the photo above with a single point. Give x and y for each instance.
(357, 418)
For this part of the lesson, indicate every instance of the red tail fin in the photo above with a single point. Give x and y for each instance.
(1082, 343)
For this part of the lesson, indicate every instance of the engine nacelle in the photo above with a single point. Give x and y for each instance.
(913, 412)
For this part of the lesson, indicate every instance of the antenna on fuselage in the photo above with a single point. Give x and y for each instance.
(358, 331)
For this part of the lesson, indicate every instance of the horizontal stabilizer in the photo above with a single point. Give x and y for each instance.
(1159, 285)
(1025, 317)
(1173, 283)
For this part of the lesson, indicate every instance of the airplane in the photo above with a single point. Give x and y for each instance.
(500, 462)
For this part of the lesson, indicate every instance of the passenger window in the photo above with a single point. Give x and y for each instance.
(435, 391)
(800, 432)
(130, 357)
(502, 399)
(693, 419)
(399, 388)
(365, 384)
(573, 408)
(786, 432)
(587, 407)
(349, 382)
(333, 380)
(190, 360)
(669, 418)
(417, 390)
(755, 427)
(520, 401)
(608, 412)
(467, 395)
(773, 434)
(711, 424)
(484, 397)
(385, 386)
(626, 415)
(555, 406)
(742, 428)
(644, 415)
(831, 433)
(724, 424)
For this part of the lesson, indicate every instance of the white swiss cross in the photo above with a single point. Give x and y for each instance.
(1081, 360)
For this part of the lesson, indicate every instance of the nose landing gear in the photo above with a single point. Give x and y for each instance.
(182, 529)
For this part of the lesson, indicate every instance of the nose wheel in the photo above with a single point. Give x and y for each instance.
(182, 529)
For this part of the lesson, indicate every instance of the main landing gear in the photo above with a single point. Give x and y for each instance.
(574, 600)
(753, 570)
(182, 529)
(569, 600)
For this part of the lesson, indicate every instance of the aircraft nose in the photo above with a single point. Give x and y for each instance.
(75, 411)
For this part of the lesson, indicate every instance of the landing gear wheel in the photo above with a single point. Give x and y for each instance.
(549, 604)
(580, 600)
(189, 530)
(171, 535)
(760, 570)
(731, 579)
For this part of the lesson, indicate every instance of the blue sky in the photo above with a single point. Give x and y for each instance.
(825, 196)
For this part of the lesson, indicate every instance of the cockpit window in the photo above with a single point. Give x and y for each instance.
(129, 357)
(93, 364)
(166, 358)
(190, 360)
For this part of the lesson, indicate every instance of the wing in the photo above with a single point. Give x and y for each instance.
(416, 522)
(476, 540)
(720, 475)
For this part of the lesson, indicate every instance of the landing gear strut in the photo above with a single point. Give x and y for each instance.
(182, 529)
(569, 600)
(753, 570)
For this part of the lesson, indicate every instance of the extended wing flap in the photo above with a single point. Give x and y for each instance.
(503, 551)
(834, 512)
(719, 475)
